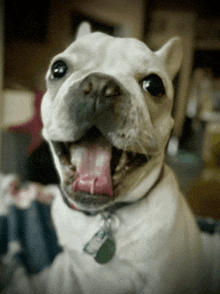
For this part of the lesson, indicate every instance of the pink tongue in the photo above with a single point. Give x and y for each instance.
(93, 170)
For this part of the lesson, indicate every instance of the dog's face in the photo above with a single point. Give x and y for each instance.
(107, 116)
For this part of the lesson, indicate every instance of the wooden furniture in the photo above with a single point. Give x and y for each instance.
(201, 45)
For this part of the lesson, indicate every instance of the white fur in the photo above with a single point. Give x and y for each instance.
(159, 248)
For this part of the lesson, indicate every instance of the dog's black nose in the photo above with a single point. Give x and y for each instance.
(99, 90)
(94, 102)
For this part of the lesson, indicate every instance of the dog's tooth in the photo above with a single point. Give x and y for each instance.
(122, 162)
(118, 176)
(76, 155)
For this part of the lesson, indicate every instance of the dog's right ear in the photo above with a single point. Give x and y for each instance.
(84, 29)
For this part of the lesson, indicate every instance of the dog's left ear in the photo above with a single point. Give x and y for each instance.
(83, 29)
(172, 54)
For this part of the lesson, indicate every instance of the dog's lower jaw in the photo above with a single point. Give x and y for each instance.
(81, 196)
(84, 201)
(136, 186)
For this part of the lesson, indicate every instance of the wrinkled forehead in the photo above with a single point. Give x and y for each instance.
(110, 46)
(109, 51)
(123, 57)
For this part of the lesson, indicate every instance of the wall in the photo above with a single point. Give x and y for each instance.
(26, 63)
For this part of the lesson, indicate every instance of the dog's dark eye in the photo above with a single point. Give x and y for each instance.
(58, 70)
(154, 85)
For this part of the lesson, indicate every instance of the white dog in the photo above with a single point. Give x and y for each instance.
(107, 118)
(123, 223)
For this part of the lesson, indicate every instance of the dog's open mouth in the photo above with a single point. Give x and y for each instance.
(92, 168)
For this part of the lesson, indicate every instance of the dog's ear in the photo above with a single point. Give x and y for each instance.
(172, 54)
(83, 29)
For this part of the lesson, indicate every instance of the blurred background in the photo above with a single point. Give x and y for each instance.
(32, 32)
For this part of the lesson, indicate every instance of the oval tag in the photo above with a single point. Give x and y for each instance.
(106, 251)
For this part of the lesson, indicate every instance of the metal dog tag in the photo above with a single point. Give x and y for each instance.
(102, 245)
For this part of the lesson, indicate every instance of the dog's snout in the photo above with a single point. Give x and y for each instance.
(94, 99)
(99, 87)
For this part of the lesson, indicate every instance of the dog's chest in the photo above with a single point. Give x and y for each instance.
(76, 229)
(152, 243)
(139, 224)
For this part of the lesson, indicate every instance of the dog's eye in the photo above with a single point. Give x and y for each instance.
(58, 70)
(154, 85)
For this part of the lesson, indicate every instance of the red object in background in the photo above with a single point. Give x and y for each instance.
(33, 126)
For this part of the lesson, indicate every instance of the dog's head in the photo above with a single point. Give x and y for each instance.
(107, 116)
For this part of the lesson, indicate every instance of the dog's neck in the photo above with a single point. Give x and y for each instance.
(79, 226)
